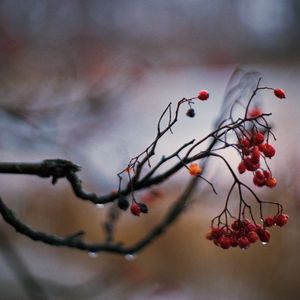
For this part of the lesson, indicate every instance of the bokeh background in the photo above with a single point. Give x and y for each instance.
(87, 81)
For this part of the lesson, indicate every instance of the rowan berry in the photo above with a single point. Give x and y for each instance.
(245, 142)
(251, 227)
(269, 221)
(281, 219)
(252, 236)
(241, 167)
(203, 95)
(236, 225)
(250, 166)
(264, 235)
(271, 182)
(224, 242)
(255, 155)
(269, 150)
(279, 93)
(135, 209)
(234, 241)
(195, 169)
(258, 182)
(261, 147)
(259, 178)
(254, 112)
(258, 138)
(243, 242)
(266, 174)
(246, 222)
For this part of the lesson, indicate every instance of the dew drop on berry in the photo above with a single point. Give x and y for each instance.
(92, 254)
(130, 257)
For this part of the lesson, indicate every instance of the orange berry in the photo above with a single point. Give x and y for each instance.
(271, 182)
(195, 169)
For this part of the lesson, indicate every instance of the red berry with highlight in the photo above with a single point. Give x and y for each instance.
(264, 235)
(269, 150)
(279, 93)
(203, 95)
(252, 236)
(269, 221)
(281, 220)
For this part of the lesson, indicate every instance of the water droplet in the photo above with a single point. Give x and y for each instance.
(264, 243)
(130, 257)
(99, 205)
(93, 254)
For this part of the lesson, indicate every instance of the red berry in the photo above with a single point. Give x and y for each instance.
(271, 182)
(260, 175)
(245, 143)
(250, 166)
(203, 95)
(236, 225)
(269, 150)
(267, 174)
(224, 242)
(234, 241)
(261, 147)
(279, 93)
(246, 222)
(254, 112)
(258, 182)
(251, 227)
(258, 138)
(243, 242)
(281, 220)
(135, 209)
(252, 236)
(216, 232)
(255, 155)
(259, 178)
(269, 221)
(241, 167)
(264, 235)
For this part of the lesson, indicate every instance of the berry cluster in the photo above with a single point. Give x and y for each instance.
(243, 233)
(252, 149)
(203, 95)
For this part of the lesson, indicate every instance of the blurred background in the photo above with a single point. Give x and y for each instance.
(87, 81)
